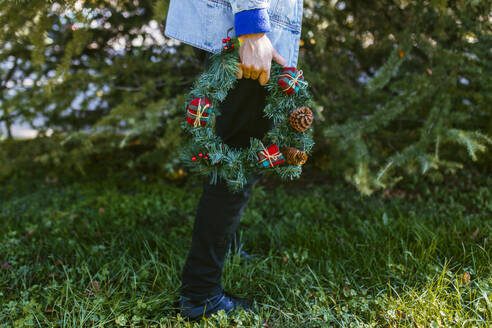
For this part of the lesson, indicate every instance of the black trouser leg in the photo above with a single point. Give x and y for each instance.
(219, 210)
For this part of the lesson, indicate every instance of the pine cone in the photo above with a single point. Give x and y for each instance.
(301, 118)
(294, 156)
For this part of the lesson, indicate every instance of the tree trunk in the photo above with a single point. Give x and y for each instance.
(9, 129)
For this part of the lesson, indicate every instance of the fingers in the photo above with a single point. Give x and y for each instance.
(246, 71)
(249, 72)
(264, 77)
(255, 73)
(279, 59)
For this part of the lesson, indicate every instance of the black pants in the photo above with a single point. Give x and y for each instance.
(219, 210)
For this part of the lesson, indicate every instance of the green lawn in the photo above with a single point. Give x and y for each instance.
(90, 254)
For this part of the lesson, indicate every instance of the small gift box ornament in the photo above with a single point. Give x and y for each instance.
(291, 80)
(269, 157)
(198, 113)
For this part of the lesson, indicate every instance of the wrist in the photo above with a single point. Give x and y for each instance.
(250, 37)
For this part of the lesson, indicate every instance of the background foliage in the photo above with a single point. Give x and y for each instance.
(401, 87)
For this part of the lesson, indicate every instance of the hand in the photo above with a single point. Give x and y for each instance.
(256, 53)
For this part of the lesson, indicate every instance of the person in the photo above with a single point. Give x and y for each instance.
(268, 30)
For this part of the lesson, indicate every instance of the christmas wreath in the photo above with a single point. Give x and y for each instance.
(284, 149)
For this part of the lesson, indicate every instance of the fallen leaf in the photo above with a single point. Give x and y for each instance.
(95, 285)
(93, 289)
(465, 279)
(101, 210)
(401, 314)
(346, 290)
(397, 193)
(475, 233)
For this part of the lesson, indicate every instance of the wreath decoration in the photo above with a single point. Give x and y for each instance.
(283, 150)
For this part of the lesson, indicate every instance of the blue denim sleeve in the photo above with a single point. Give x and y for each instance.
(252, 21)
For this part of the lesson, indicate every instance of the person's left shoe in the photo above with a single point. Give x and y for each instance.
(223, 301)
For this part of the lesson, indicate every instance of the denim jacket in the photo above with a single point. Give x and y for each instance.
(204, 23)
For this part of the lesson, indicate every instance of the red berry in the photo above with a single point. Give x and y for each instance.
(200, 155)
(232, 46)
(224, 40)
(225, 47)
(193, 159)
(206, 157)
(228, 38)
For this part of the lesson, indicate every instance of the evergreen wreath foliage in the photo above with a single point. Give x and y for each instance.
(207, 154)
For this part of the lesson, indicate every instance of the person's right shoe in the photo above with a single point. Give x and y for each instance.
(246, 256)
(223, 301)
(238, 248)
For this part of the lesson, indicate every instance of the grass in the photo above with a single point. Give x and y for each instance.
(105, 253)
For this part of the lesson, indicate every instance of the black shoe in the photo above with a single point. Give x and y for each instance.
(224, 301)
(237, 247)
(242, 253)
(246, 256)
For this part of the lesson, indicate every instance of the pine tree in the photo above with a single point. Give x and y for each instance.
(399, 85)
(104, 79)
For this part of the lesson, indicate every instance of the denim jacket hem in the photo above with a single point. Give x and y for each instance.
(204, 23)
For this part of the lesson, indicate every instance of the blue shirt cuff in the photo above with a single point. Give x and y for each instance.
(252, 21)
